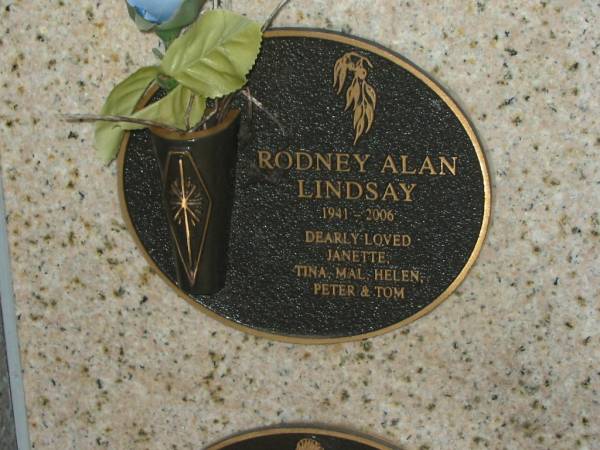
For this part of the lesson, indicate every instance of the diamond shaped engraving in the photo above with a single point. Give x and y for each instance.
(190, 208)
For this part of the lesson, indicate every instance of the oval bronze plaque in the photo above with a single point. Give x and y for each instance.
(299, 439)
(361, 200)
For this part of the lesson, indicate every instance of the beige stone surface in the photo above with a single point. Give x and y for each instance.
(113, 359)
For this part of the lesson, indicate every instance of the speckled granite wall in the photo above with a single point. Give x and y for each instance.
(113, 359)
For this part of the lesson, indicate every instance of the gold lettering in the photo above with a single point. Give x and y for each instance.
(301, 192)
(387, 240)
(372, 193)
(264, 159)
(427, 165)
(389, 164)
(445, 164)
(390, 292)
(318, 189)
(303, 271)
(397, 275)
(361, 160)
(288, 156)
(308, 161)
(381, 274)
(350, 185)
(349, 273)
(333, 189)
(343, 162)
(390, 192)
(356, 256)
(327, 237)
(405, 169)
(408, 189)
(334, 290)
(323, 161)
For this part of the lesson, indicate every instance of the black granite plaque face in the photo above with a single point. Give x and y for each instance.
(361, 210)
(299, 439)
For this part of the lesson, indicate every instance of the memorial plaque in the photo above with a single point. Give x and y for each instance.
(361, 195)
(299, 439)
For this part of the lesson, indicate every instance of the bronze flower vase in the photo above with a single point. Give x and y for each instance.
(198, 175)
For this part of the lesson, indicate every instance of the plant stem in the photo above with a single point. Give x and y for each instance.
(246, 93)
(223, 105)
(101, 118)
(205, 120)
(274, 14)
(188, 111)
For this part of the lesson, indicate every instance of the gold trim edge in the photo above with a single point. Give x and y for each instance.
(414, 70)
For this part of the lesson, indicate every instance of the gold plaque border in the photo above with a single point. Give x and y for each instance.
(383, 52)
(309, 430)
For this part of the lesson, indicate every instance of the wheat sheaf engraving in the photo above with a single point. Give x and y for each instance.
(360, 95)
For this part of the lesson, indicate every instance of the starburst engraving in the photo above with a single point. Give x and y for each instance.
(186, 199)
(187, 205)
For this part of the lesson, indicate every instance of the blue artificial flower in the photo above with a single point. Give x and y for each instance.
(156, 11)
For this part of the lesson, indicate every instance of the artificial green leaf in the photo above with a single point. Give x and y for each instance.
(168, 84)
(215, 54)
(168, 36)
(198, 110)
(171, 110)
(121, 102)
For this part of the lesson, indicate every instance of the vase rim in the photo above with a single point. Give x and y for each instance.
(186, 136)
